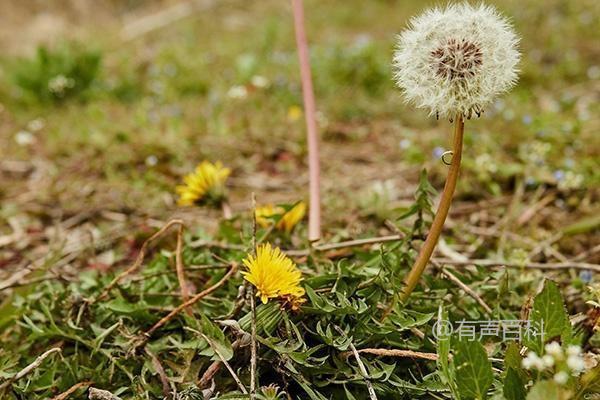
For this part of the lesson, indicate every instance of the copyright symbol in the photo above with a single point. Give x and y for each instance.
(442, 329)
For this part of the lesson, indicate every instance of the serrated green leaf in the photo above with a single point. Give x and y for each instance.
(217, 340)
(31, 325)
(443, 350)
(349, 395)
(433, 383)
(513, 359)
(45, 380)
(306, 359)
(548, 315)
(380, 371)
(513, 386)
(512, 356)
(312, 394)
(103, 334)
(406, 319)
(474, 373)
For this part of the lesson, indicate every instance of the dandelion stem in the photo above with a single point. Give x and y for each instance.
(314, 216)
(181, 269)
(252, 299)
(440, 216)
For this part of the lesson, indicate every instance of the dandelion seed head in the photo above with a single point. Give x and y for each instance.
(456, 60)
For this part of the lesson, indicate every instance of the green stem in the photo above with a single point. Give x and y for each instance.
(440, 216)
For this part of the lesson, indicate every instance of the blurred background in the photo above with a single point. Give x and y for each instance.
(106, 104)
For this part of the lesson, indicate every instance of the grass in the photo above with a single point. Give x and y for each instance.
(86, 178)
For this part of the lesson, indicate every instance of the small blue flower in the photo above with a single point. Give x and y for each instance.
(527, 120)
(438, 151)
(559, 174)
(586, 276)
(530, 181)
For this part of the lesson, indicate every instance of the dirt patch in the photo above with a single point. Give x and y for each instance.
(27, 24)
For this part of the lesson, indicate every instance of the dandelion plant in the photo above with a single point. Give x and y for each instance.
(205, 184)
(453, 62)
(287, 218)
(274, 275)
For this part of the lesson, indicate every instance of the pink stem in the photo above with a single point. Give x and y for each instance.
(314, 216)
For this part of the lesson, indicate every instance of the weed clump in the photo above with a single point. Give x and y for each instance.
(57, 75)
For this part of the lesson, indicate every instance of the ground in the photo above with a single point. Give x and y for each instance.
(86, 176)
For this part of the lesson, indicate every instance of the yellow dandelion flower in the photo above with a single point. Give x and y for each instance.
(291, 218)
(207, 181)
(294, 113)
(265, 213)
(273, 274)
(288, 219)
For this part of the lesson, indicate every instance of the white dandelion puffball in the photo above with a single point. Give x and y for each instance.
(455, 60)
